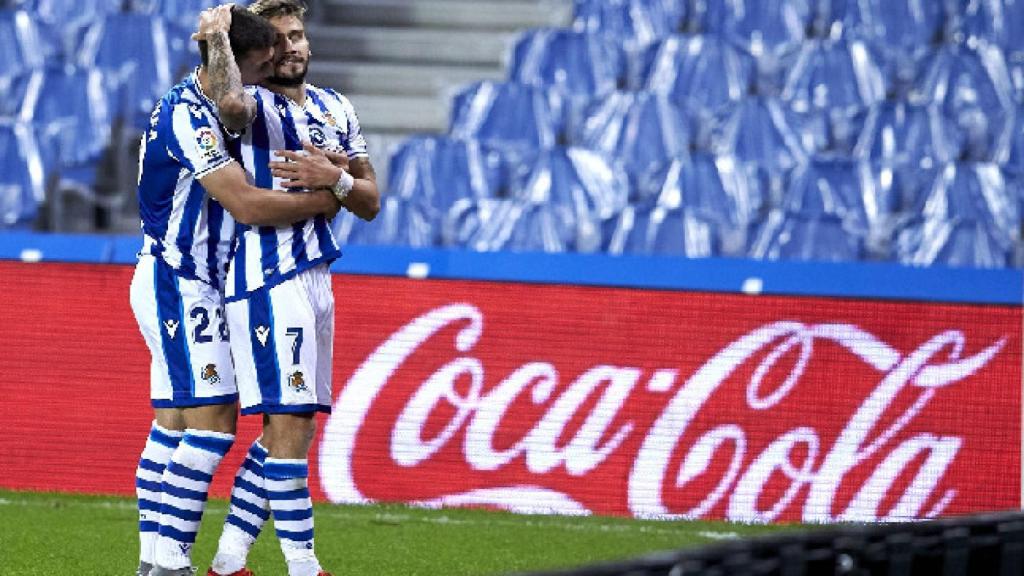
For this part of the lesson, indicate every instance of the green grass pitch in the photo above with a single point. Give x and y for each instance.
(48, 534)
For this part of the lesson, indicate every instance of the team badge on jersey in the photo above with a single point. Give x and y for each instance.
(317, 136)
(297, 381)
(210, 374)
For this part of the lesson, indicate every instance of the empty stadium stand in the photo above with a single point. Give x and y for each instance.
(857, 130)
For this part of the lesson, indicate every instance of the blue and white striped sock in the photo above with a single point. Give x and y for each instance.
(160, 446)
(186, 482)
(249, 512)
(287, 483)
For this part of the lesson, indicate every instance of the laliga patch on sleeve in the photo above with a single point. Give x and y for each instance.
(207, 140)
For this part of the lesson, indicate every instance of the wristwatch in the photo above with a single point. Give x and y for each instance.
(343, 186)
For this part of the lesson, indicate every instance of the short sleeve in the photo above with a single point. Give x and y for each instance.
(354, 143)
(198, 141)
(355, 146)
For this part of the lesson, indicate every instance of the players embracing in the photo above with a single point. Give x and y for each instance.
(280, 159)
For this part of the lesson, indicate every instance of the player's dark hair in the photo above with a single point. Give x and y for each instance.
(248, 32)
(275, 8)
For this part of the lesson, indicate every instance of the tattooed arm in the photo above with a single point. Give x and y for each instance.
(235, 106)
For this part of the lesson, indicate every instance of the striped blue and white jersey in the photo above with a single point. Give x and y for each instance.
(181, 223)
(265, 256)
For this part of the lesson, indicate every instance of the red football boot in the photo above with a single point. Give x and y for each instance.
(242, 572)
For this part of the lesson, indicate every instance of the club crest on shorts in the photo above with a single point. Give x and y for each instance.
(297, 381)
(262, 333)
(210, 374)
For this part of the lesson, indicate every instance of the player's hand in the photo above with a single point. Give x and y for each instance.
(310, 168)
(339, 159)
(214, 21)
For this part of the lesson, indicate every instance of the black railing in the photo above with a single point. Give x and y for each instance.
(983, 545)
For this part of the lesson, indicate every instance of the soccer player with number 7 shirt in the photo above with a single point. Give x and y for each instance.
(193, 195)
(278, 292)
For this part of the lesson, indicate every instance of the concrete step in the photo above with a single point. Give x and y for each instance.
(384, 113)
(479, 15)
(398, 79)
(428, 45)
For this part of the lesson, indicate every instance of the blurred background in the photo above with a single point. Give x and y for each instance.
(838, 130)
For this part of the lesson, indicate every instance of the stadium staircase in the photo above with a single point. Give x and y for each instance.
(400, 61)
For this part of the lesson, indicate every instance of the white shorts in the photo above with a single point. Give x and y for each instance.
(184, 324)
(283, 345)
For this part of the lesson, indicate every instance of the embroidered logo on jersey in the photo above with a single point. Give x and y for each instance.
(262, 333)
(317, 136)
(172, 327)
(297, 381)
(210, 374)
(330, 119)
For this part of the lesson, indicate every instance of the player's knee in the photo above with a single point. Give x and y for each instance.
(220, 418)
(289, 435)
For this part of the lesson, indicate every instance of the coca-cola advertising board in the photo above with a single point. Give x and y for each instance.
(566, 399)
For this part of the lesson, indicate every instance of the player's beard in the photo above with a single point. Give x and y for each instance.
(291, 81)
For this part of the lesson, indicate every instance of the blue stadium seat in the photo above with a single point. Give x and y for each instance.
(22, 45)
(904, 27)
(577, 64)
(971, 84)
(508, 115)
(1015, 158)
(640, 131)
(70, 108)
(772, 28)
(996, 21)
(973, 192)
(759, 133)
(400, 222)
(574, 176)
(906, 135)
(785, 236)
(665, 231)
(132, 50)
(702, 194)
(22, 178)
(490, 225)
(834, 75)
(956, 243)
(831, 131)
(182, 51)
(437, 171)
(635, 23)
(467, 216)
(70, 12)
(562, 204)
(181, 13)
(700, 73)
(582, 182)
(833, 187)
